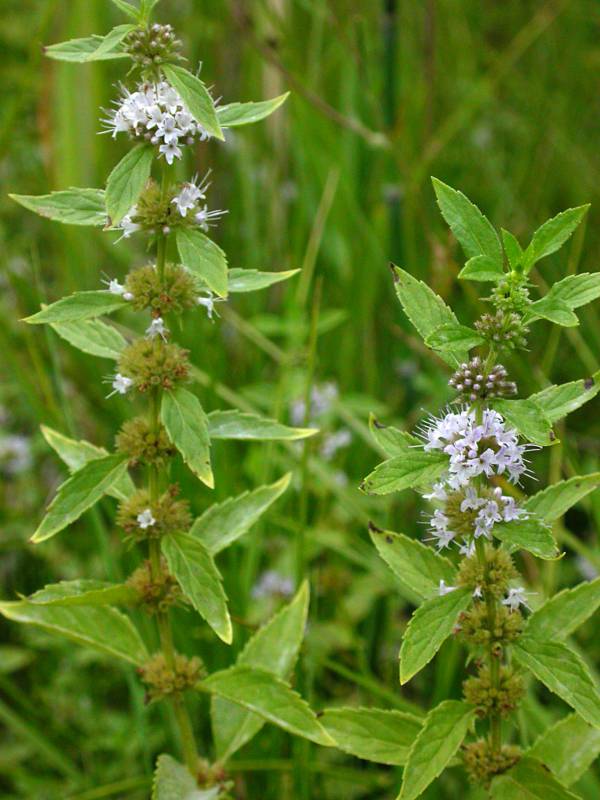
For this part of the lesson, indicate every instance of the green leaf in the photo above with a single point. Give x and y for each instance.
(110, 43)
(392, 441)
(553, 502)
(250, 280)
(104, 628)
(428, 629)
(92, 336)
(563, 672)
(191, 563)
(91, 48)
(568, 748)
(196, 97)
(203, 258)
(415, 565)
(84, 593)
(78, 306)
(76, 454)
(371, 733)
(235, 114)
(529, 534)
(404, 472)
(127, 8)
(426, 310)
(512, 248)
(443, 732)
(271, 698)
(187, 427)
(558, 401)
(529, 780)
(224, 523)
(528, 418)
(172, 781)
(454, 336)
(473, 230)
(126, 182)
(239, 425)
(273, 648)
(565, 612)
(552, 235)
(572, 292)
(71, 206)
(80, 492)
(482, 268)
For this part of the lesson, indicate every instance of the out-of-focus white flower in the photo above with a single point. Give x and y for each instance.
(334, 442)
(121, 384)
(157, 328)
(15, 454)
(145, 519)
(444, 589)
(272, 583)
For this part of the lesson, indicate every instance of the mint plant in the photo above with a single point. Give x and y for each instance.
(163, 110)
(469, 463)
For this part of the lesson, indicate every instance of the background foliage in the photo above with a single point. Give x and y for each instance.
(499, 100)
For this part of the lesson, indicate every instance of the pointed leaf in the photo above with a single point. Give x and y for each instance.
(563, 672)
(392, 441)
(528, 418)
(239, 425)
(224, 523)
(556, 500)
(172, 781)
(90, 48)
(267, 695)
(415, 468)
(92, 336)
(415, 565)
(111, 42)
(568, 748)
(127, 8)
(102, 628)
(250, 280)
(428, 629)
(235, 114)
(187, 427)
(443, 732)
(203, 258)
(572, 292)
(71, 206)
(482, 268)
(191, 563)
(371, 733)
(196, 97)
(527, 534)
(453, 336)
(512, 248)
(550, 236)
(78, 306)
(85, 593)
(126, 182)
(558, 401)
(565, 612)
(529, 780)
(80, 492)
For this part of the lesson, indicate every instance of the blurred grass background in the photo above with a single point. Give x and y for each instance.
(499, 100)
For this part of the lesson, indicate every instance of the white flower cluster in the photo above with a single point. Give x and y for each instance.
(156, 113)
(476, 448)
(516, 597)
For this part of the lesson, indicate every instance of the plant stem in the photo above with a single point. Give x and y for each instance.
(495, 656)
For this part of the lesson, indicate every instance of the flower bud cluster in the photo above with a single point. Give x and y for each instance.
(511, 295)
(142, 519)
(483, 762)
(474, 626)
(153, 363)
(494, 698)
(175, 292)
(503, 330)
(144, 444)
(156, 594)
(473, 382)
(152, 46)
(492, 578)
(162, 680)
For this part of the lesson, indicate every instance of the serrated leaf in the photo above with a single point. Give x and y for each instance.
(191, 563)
(251, 280)
(76, 454)
(84, 593)
(196, 97)
(529, 534)
(384, 737)
(556, 500)
(415, 468)
(528, 418)
(92, 336)
(273, 648)
(561, 671)
(224, 523)
(454, 336)
(205, 259)
(104, 628)
(426, 310)
(111, 42)
(187, 427)
(473, 230)
(235, 114)
(572, 292)
(271, 698)
(550, 236)
(565, 612)
(558, 401)
(90, 48)
(443, 732)
(81, 491)
(172, 781)
(239, 425)
(482, 268)
(392, 441)
(71, 206)
(78, 306)
(512, 248)
(568, 748)
(415, 565)
(127, 8)
(529, 780)
(126, 182)
(428, 629)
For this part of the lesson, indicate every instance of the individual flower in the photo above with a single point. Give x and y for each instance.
(444, 589)
(206, 219)
(121, 384)
(207, 301)
(334, 442)
(157, 328)
(145, 519)
(189, 195)
(114, 287)
(516, 597)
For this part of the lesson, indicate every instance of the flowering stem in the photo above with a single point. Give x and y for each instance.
(495, 655)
